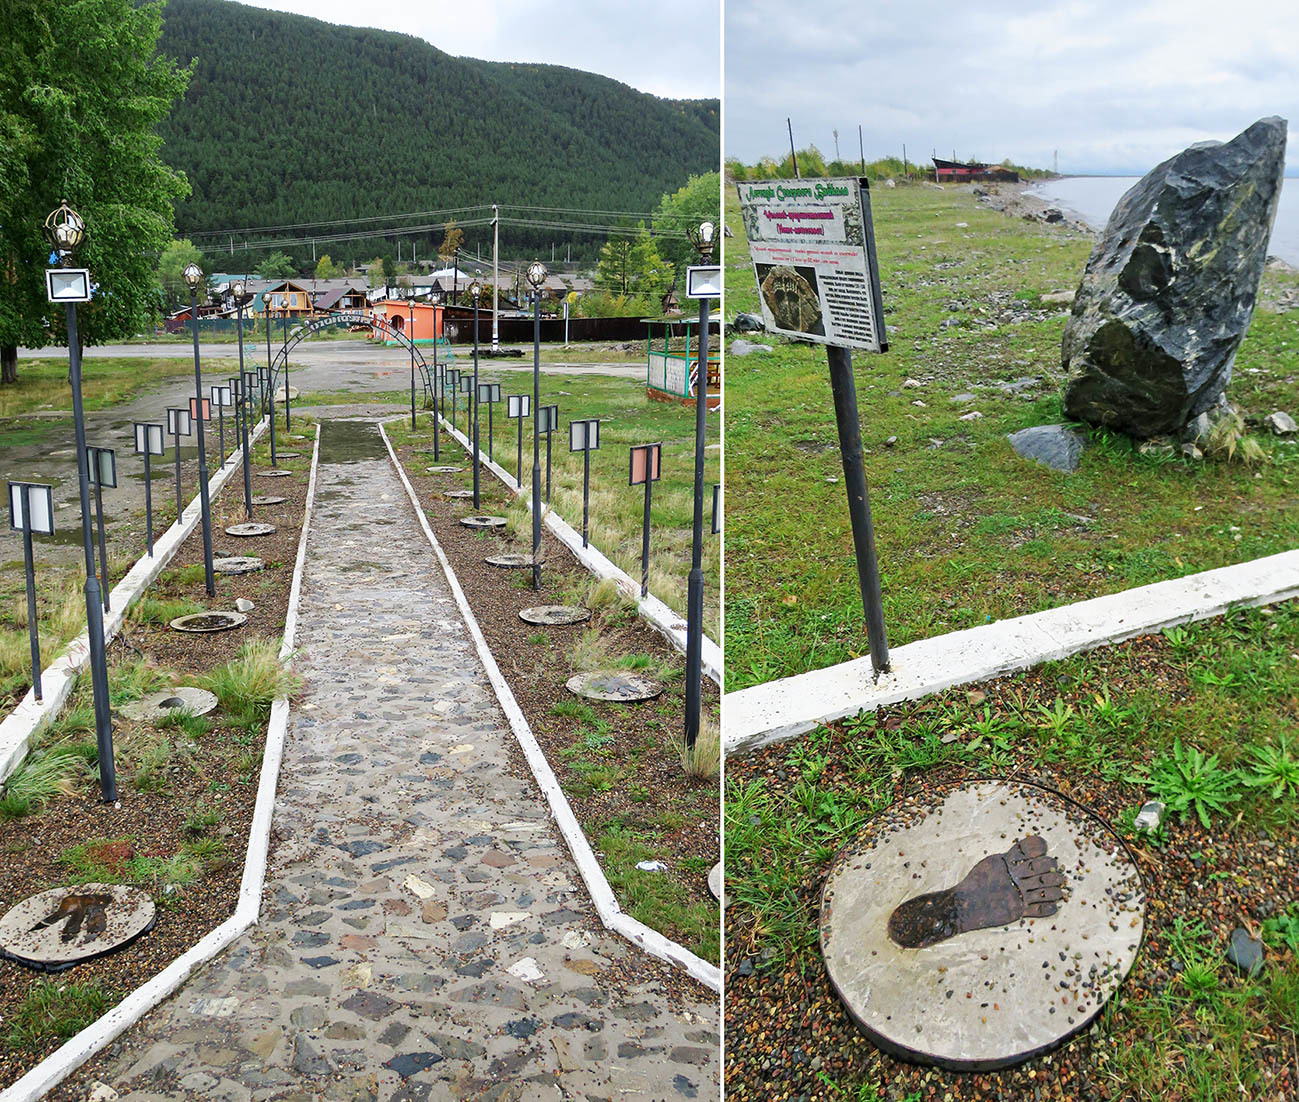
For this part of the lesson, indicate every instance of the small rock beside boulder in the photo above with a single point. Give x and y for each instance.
(741, 347)
(1281, 423)
(1055, 446)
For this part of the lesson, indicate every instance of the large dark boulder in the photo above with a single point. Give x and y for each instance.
(1169, 290)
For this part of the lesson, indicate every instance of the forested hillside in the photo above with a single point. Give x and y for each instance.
(289, 120)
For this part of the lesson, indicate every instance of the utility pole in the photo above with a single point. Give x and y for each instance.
(906, 170)
(836, 142)
(496, 259)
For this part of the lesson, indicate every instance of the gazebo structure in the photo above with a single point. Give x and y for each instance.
(671, 373)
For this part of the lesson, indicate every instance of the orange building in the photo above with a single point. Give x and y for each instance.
(420, 321)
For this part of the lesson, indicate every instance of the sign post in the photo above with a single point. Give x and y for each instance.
(102, 463)
(518, 406)
(148, 443)
(643, 469)
(548, 422)
(178, 424)
(813, 249)
(31, 509)
(584, 437)
(490, 393)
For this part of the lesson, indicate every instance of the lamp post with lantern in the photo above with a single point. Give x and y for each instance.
(536, 276)
(436, 298)
(476, 289)
(238, 287)
(65, 230)
(700, 280)
(193, 275)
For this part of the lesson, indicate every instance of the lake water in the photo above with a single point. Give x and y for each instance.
(1092, 198)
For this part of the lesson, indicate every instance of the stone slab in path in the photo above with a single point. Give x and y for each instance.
(424, 932)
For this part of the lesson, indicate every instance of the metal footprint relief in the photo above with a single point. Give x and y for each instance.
(999, 890)
(61, 927)
(975, 926)
(249, 528)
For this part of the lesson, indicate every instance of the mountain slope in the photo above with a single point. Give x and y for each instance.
(289, 119)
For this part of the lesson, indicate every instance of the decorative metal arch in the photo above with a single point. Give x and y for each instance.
(349, 317)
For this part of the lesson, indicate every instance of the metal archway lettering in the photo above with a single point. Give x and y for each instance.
(349, 317)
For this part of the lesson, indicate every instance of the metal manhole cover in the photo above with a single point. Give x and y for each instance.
(237, 564)
(614, 685)
(976, 926)
(715, 880)
(443, 470)
(512, 560)
(458, 493)
(269, 500)
(55, 929)
(157, 705)
(483, 522)
(551, 615)
(250, 528)
(288, 455)
(273, 474)
(203, 622)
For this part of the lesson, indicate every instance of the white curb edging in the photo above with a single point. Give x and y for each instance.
(72, 1054)
(606, 904)
(18, 727)
(657, 614)
(783, 709)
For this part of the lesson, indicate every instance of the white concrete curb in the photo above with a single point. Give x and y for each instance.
(658, 615)
(18, 727)
(780, 710)
(601, 893)
(75, 1052)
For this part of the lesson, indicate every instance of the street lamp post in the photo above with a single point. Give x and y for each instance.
(194, 276)
(702, 238)
(240, 395)
(268, 395)
(65, 230)
(437, 301)
(536, 276)
(410, 335)
(476, 289)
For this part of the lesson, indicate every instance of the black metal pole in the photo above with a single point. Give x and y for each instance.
(148, 504)
(536, 439)
(518, 456)
(549, 434)
(262, 396)
(437, 385)
(221, 425)
(695, 583)
(204, 504)
(103, 546)
(179, 505)
(491, 435)
(94, 611)
(411, 337)
(859, 510)
(241, 399)
(644, 539)
(586, 488)
(477, 457)
(33, 631)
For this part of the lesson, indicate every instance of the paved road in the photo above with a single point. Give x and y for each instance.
(424, 934)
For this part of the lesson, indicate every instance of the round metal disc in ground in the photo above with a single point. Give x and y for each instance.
(552, 615)
(158, 705)
(250, 528)
(443, 470)
(511, 560)
(269, 500)
(715, 880)
(276, 473)
(288, 455)
(483, 522)
(976, 926)
(458, 493)
(237, 564)
(203, 622)
(614, 685)
(61, 927)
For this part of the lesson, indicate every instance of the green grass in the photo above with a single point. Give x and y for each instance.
(627, 417)
(100, 860)
(43, 383)
(966, 531)
(54, 1008)
(249, 683)
(1189, 717)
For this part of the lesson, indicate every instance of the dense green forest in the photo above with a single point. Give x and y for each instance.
(291, 120)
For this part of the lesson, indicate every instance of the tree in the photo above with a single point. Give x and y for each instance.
(451, 240)
(698, 201)
(171, 284)
(277, 266)
(389, 274)
(82, 88)
(631, 265)
(327, 269)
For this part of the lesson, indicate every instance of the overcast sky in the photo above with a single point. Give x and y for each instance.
(1115, 85)
(667, 48)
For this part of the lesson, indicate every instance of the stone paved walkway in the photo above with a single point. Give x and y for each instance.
(424, 934)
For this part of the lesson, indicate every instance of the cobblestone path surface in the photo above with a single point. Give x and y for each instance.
(425, 933)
